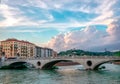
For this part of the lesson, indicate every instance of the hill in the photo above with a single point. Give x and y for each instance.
(79, 52)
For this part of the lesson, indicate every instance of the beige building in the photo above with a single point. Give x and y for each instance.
(14, 48)
(54, 53)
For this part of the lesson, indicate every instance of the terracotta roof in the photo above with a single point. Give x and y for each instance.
(13, 39)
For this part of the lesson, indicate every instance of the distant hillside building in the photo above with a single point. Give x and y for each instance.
(14, 48)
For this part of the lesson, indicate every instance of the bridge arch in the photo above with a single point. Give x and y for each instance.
(20, 64)
(50, 64)
(96, 67)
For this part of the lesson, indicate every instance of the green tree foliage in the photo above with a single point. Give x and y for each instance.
(117, 53)
(79, 52)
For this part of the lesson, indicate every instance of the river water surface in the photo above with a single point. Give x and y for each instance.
(111, 75)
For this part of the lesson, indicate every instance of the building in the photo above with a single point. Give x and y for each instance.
(38, 51)
(44, 52)
(54, 53)
(48, 52)
(14, 48)
(24, 49)
(0, 50)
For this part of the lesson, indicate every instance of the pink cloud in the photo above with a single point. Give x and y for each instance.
(114, 28)
(89, 38)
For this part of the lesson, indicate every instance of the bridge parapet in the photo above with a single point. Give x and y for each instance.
(72, 57)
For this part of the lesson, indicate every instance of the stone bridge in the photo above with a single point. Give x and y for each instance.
(89, 62)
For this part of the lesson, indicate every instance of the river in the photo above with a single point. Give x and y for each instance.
(110, 75)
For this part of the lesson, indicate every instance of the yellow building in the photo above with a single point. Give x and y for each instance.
(14, 48)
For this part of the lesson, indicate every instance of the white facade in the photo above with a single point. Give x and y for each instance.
(44, 52)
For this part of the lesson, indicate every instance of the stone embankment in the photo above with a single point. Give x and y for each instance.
(117, 63)
(66, 63)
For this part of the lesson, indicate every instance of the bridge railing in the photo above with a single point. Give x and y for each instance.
(67, 57)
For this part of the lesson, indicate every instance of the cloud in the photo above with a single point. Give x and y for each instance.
(114, 29)
(14, 15)
(10, 18)
(38, 14)
(89, 39)
(106, 12)
(58, 42)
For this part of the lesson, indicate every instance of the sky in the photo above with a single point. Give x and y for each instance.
(92, 25)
